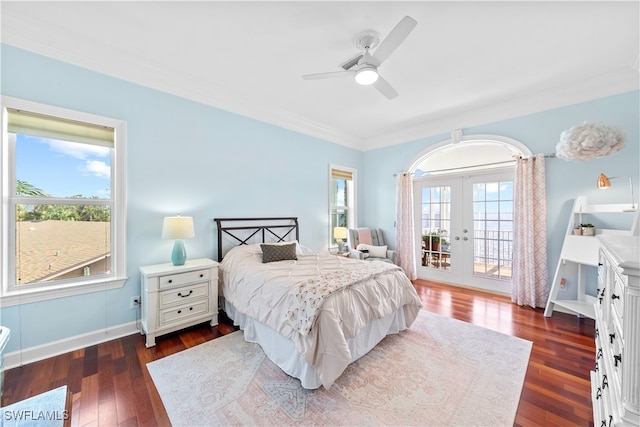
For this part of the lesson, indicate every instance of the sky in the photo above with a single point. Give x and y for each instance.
(62, 168)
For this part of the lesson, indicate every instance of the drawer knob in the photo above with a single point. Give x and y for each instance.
(612, 337)
(201, 275)
(179, 311)
(617, 358)
(170, 281)
(614, 296)
(184, 296)
(605, 382)
(598, 393)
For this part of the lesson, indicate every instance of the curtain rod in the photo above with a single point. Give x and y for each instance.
(546, 156)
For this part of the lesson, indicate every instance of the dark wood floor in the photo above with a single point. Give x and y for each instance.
(111, 385)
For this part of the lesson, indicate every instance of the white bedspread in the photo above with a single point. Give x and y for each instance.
(261, 291)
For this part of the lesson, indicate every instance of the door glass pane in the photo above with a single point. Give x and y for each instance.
(493, 229)
(435, 227)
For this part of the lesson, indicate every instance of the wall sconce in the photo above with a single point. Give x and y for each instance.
(178, 227)
(604, 182)
(340, 233)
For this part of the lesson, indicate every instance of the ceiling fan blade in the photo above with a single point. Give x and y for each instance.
(385, 88)
(394, 39)
(330, 75)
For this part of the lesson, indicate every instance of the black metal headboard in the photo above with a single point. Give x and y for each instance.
(244, 231)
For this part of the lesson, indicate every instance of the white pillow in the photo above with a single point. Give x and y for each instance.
(374, 251)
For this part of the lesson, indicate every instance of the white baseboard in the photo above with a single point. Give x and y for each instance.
(55, 348)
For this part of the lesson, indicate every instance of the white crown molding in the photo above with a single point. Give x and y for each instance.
(31, 35)
(614, 83)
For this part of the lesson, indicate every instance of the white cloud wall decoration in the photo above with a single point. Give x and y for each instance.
(588, 141)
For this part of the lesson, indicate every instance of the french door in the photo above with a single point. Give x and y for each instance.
(465, 227)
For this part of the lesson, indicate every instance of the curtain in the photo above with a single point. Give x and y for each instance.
(405, 239)
(530, 280)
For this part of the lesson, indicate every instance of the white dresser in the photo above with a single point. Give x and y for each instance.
(615, 382)
(175, 297)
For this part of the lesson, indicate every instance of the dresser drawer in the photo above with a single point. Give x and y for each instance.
(617, 297)
(178, 314)
(184, 295)
(615, 352)
(183, 278)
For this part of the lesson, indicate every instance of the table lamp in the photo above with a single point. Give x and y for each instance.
(604, 183)
(340, 233)
(178, 228)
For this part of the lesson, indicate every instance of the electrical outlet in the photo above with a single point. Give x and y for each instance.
(134, 302)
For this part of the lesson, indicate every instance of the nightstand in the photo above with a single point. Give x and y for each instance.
(175, 297)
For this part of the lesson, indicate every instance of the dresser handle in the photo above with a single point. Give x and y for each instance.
(201, 275)
(617, 358)
(605, 382)
(612, 337)
(597, 332)
(598, 393)
(614, 296)
(599, 354)
(184, 296)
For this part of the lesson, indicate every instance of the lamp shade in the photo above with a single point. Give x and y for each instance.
(366, 75)
(339, 232)
(603, 181)
(177, 227)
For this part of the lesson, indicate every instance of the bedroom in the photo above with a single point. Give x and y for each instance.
(214, 162)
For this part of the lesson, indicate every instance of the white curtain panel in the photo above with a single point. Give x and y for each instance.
(530, 280)
(405, 239)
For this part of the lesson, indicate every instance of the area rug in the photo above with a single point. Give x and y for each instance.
(439, 372)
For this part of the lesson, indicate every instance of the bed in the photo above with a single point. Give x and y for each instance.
(312, 314)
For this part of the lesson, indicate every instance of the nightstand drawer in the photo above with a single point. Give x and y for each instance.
(183, 278)
(177, 314)
(184, 295)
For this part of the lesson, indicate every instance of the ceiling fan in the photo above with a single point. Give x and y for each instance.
(364, 66)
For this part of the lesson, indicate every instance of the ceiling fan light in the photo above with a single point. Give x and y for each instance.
(366, 75)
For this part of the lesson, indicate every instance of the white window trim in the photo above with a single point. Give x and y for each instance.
(118, 219)
(352, 209)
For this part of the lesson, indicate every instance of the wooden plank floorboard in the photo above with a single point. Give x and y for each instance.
(112, 386)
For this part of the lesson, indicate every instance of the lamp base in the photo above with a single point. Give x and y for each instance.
(179, 254)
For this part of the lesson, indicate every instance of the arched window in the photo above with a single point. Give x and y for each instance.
(463, 196)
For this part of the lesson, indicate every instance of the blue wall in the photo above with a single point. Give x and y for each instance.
(540, 132)
(189, 158)
(183, 158)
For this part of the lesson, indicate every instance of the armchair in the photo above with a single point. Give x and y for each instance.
(377, 241)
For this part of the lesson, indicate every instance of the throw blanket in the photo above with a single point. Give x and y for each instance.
(364, 236)
(306, 298)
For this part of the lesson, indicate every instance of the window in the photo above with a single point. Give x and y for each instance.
(63, 210)
(342, 200)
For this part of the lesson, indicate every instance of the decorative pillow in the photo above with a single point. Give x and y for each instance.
(374, 251)
(278, 252)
